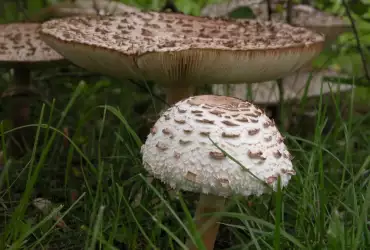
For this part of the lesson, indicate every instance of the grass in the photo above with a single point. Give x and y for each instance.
(325, 206)
(103, 199)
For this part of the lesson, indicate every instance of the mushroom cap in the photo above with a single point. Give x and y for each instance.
(294, 86)
(20, 44)
(179, 152)
(86, 7)
(302, 15)
(180, 49)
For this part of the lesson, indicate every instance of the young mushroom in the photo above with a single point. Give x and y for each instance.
(22, 50)
(180, 153)
(81, 7)
(180, 51)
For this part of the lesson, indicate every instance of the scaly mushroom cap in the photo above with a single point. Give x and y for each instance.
(178, 150)
(302, 15)
(20, 44)
(294, 85)
(226, 7)
(179, 49)
(88, 7)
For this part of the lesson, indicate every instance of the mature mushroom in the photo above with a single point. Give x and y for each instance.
(22, 50)
(267, 93)
(82, 7)
(302, 15)
(180, 51)
(179, 152)
(294, 86)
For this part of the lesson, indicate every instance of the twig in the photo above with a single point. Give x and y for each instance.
(359, 47)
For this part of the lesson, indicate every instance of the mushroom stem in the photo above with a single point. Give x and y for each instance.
(22, 76)
(207, 225)
(20, 109)
(176, 93)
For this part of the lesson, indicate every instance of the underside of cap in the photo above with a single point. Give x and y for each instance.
(179, 150)
(294, 85)
(20, 43)
(180, 49)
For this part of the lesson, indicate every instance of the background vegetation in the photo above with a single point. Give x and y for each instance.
(102, 199)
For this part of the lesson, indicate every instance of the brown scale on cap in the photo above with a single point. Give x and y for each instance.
(176, 155)
(277, 154)
(153, 130)
(204, 133)
(268, 138)
(180, 121)
(266, 124)
(216, 112)
(256, 155)
(230, 124)
(253, 131)
(243, 119)
(21, 43)
(184, 142)
(280, 139)
(197, 111)
(181, 110)
(205, 121)
(167, 131)
(161, 146)
(217, 155)
(230, 134)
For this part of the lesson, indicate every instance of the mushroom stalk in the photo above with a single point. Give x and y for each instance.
(207, 225)
(20, 108)
(176, 93)
(22, 76)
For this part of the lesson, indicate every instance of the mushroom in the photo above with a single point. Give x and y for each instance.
(181, 154)
(82, 7)
(181, 51)
(267, 93)
(302, 15)
(22, 50)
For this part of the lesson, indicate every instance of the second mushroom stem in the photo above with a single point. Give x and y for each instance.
(20, 108)
(207, 225)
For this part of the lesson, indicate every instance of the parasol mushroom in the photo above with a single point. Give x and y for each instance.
(267, 93)
(179, 152)
(180, 51)
(82, 7)
(22, 50)
(302, 15)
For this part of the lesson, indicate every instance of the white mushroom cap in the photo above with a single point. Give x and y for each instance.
(179, 153)
(294, 87)
(302, 15)
(20, 44)
(179, 49)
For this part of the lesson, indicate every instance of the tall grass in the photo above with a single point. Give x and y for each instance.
(325, 206)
